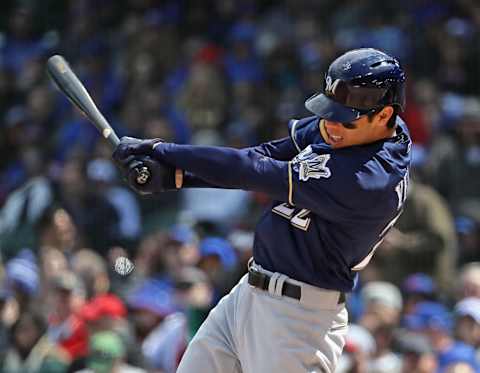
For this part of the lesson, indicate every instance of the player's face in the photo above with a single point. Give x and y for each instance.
(364, 130)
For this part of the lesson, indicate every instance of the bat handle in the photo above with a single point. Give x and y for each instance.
(143, 175)
(113, 138)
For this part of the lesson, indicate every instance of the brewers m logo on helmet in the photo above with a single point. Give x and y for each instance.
(330, 86)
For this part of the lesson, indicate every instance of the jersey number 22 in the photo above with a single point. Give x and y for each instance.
(300, 219)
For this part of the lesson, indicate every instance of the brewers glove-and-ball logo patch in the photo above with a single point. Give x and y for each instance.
(309, 164)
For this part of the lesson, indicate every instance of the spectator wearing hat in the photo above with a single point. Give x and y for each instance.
(359, 349)
(242, 242)
(107, 312)
(107, 353)
(218, 260)
(65, 296)
(91, 269)
(241, 62)
(189, 240)
(22, 42)
(469, 281)
(433, 320)
(417, 353)
(23, 278)
(467, 224)
(159, 328)
(467, 325)
(416, 288)
(459, 358)
(102, 307)
(195, 295)
(102, 310)
(382, 302)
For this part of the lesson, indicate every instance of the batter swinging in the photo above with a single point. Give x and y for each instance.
(338, 183)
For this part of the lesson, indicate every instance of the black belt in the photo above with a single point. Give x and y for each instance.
(261, 280)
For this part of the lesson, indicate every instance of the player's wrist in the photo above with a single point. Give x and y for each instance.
(178, 178)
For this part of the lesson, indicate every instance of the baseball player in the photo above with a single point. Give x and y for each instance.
(338, 184)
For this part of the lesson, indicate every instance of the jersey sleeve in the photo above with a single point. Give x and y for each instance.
(302, 131)
(281, 149)
(229, 168)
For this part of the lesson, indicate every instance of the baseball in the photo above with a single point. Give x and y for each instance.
(123, 266)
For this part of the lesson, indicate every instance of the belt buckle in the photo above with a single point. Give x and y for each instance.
(260, 280)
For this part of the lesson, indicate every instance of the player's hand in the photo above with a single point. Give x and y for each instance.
(162, 177)
(133, 154)
(132, 146)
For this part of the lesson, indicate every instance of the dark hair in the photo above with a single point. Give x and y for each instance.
(393, 119)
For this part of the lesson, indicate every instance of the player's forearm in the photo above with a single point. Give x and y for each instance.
(282, 149)
(227, 167)
(189, 180)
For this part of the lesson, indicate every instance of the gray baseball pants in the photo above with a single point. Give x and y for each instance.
(256, 331)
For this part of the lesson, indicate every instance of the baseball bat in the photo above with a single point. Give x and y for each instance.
(68, 83)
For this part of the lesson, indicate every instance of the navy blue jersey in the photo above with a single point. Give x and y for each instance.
(332, 207)
(340, 206)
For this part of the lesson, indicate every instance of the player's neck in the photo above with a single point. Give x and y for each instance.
(392, 132)
(385, 135)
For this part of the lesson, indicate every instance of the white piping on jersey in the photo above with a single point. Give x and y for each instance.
(290, 184)
(292, 134)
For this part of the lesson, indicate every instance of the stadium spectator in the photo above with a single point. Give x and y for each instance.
(467, 325)
(423, 240)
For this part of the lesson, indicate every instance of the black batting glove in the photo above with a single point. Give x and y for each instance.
(132, 155)
(132, 146)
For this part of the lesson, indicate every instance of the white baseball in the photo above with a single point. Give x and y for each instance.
(123, 266)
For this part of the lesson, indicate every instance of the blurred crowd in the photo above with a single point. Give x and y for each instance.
(221, 72)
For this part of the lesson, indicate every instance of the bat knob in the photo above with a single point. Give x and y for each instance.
(143, 175)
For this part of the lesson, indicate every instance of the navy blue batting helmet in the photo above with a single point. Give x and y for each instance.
(359, 82)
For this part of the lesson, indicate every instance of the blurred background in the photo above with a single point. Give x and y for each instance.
(232, 73)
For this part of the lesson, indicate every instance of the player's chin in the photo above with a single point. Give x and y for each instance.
(338, 144)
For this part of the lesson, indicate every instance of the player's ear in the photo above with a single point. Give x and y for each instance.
(385, 114)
